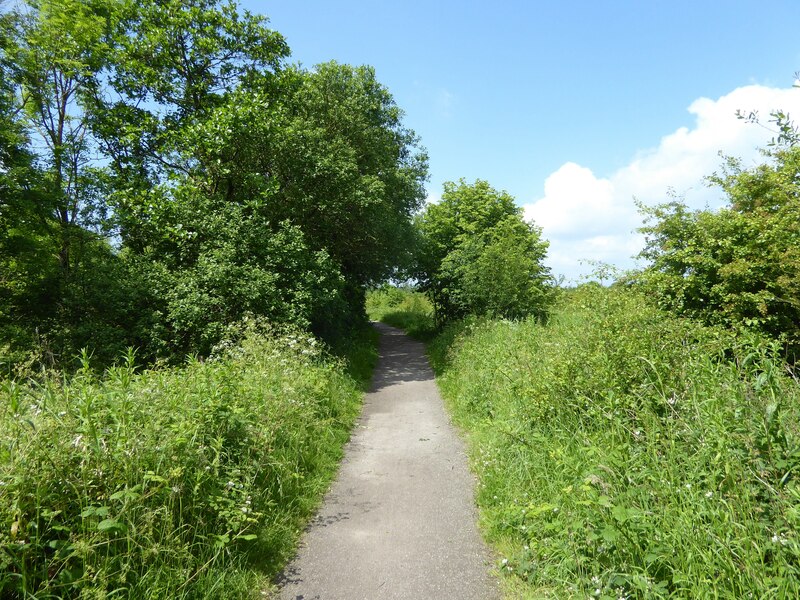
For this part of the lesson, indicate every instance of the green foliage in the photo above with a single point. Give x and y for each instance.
(229, 184)
(739, 265)
(404, 308)
(478, 256)
(349, 173)
(623, 452)
(169, 483)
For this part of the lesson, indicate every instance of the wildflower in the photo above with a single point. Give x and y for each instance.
(709, 494)
(596, 580)
(505, 560)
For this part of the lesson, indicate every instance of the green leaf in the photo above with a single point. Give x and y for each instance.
(111, 524)
(620, 513)
(610, 535)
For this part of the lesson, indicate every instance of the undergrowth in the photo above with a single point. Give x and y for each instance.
(625, 453)
(189, 482)
(403, 308)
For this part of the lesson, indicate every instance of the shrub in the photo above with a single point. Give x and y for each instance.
(168, 483)
(738, 266)
(623, 452)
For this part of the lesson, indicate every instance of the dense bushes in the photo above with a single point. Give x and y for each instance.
(739, 266)
(167, 146)
(477, 256)
(168, 483)
(623, 452)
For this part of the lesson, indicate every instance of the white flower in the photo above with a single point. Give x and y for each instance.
(709, 494)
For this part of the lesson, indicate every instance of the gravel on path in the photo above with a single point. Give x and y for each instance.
(399, 521)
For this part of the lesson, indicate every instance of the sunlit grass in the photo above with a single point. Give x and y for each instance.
(190, 482)
(623, 453)
(403, 308)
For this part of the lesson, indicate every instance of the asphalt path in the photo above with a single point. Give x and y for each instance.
(399, 521)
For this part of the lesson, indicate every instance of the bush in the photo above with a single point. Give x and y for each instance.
(404, 308)
(168, 483)
(623, 452)
(739, 266)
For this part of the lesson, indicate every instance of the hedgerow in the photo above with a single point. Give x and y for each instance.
(626, 453)
(188, 482)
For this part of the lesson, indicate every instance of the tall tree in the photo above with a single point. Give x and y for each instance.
(350, 173)
(478, 256)
(53, 51)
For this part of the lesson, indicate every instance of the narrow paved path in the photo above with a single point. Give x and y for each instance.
(399, 522)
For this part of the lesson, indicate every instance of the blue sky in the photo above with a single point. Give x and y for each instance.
(573, 107)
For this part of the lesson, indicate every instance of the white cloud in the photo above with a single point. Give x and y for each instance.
(589, 217)
(433, 198)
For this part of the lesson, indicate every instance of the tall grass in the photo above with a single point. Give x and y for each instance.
(624, 453)
(404, 308)
(189, 482)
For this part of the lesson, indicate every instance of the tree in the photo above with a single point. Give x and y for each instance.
(739, 265)
(53, 50)
(350, 174)
(175, 155)
(241, 153)
(53, 212)
(478, 256)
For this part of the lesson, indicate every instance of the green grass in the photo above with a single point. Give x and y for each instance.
(403, 308)
(624, 453)
(190, 482)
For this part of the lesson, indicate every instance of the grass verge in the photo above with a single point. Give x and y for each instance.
(190, 482)
(624, 453)
(403, 308)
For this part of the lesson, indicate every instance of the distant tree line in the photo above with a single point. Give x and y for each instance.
(165, 172)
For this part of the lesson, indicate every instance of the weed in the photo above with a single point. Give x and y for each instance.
(189, 482)
(625, 453)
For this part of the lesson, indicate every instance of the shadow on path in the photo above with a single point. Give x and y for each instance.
(402, 359)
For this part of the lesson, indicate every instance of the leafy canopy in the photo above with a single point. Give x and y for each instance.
(478, 256)
(739, 265)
